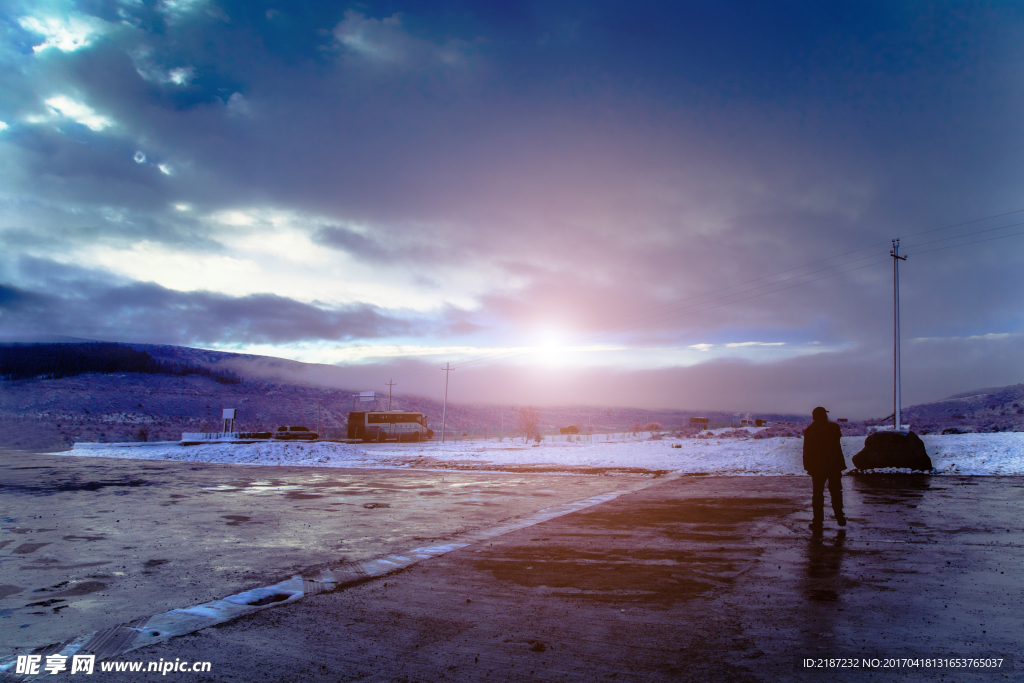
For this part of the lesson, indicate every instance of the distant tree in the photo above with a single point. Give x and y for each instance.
(652, 427)
(529, 422)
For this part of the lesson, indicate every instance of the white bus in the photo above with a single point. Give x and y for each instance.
(388, 425)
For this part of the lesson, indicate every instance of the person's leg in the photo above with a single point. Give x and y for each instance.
(818, 497)
(835, 493)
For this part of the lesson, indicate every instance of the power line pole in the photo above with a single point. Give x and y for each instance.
(896, 258)
(390, 383)
(444, 410)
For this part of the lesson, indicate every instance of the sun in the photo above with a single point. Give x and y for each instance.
(550, 347)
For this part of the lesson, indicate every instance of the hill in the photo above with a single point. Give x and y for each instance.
(44, 411)
(994, 409)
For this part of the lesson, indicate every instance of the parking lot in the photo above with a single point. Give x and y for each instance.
(673, 578)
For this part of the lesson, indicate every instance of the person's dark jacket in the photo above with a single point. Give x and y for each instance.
(822, 450)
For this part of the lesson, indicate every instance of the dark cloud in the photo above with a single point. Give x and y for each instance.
(352, 242)
(142, 312)
(15, 300)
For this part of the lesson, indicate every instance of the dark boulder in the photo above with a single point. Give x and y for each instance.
(892, 449)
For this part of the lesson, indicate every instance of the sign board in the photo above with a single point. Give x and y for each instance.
(229, 413)
(367, 396)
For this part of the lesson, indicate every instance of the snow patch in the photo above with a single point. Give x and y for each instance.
(970, 454)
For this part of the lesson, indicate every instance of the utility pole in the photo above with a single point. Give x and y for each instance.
(896, 258)
(502, 437)
(444, 410)
(390, 383)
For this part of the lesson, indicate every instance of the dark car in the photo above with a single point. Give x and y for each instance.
(295, 433)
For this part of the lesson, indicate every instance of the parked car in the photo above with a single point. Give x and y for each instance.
(295, 433)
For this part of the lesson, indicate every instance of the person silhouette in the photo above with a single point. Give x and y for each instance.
(824, 461)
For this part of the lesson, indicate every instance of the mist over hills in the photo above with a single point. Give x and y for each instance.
(55, 413)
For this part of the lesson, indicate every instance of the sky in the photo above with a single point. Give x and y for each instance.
(669, 205)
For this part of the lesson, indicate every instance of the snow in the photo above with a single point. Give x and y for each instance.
(975, 454)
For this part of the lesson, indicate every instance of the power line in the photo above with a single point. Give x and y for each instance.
(970, 234)
(957, 225)
(953, 246)
(847, 253)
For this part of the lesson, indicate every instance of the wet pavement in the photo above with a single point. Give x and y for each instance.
(690, 578)
(88, 543)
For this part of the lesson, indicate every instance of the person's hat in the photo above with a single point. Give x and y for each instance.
(819, 413)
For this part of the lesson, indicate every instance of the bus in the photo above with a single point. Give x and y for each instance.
(388, 425)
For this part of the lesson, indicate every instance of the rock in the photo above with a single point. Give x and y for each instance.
(892, 449)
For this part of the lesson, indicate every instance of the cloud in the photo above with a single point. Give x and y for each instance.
(238, 106)
(150, 313)
(16, 300)
(643, 184)
(351, 241)
(346, 356)
(384, 245)
(852, 383)
(66, 34)
(181, 75)
(386, 41)
(78, 112)
(176, 9)
(379, 39)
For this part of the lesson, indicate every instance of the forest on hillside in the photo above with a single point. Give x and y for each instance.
(57, 361)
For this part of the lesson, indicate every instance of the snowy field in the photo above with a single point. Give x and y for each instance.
(979, 454)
